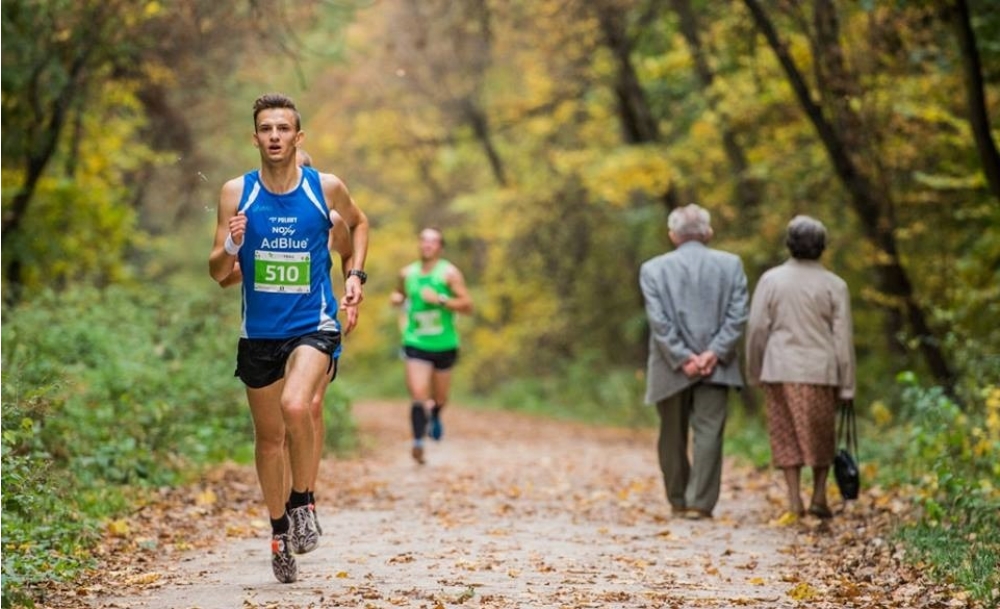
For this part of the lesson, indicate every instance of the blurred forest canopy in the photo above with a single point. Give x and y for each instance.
(548, 138)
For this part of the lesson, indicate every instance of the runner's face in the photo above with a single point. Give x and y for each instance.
(276, 135)
(430, 244)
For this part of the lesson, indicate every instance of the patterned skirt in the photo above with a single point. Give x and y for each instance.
(802, 423)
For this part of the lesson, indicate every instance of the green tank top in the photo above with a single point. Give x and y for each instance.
(429, 326)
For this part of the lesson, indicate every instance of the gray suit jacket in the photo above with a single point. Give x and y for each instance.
(696, 301)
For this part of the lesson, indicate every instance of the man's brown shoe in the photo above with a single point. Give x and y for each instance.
(696, 514)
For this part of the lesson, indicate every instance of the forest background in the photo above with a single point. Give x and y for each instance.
(549, 139)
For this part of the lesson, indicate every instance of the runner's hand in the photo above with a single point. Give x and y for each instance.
(238, 227)
(353, 294)
(430, 295)
(352, 312)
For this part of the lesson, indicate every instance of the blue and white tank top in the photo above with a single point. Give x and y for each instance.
(287, 291)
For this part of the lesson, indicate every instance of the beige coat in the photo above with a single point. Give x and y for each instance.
(800, 328)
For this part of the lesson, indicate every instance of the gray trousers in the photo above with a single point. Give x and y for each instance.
(700, 409)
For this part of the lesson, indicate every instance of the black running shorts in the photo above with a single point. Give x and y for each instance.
(442, 360)
(261, 361)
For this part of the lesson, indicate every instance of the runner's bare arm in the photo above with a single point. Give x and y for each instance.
(340, 242)
(339, 200)
(233, 278)
(461, 301)
(229, 223)
(398, 296)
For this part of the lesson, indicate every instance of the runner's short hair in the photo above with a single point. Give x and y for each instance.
(436, 230)
(269, 101)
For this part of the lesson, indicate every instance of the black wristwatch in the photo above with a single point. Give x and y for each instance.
(363, 276)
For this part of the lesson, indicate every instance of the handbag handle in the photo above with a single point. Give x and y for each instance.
(847, 429)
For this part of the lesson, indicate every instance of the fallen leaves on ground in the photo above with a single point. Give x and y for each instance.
(844, 562)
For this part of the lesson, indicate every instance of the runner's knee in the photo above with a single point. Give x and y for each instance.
(269, 443)
(296, 410)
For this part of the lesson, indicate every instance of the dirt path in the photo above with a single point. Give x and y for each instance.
(509, 512)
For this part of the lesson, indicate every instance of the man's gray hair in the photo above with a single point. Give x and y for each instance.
(806, 238)
(690, 222)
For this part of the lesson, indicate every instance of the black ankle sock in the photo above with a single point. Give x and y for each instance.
(297, 499)
(280, 525)
(436, 410)
(312, 498)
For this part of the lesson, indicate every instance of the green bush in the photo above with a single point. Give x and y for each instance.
(747, 435)
(584, 390)
(44, 536)
(951, 457)
(147, 381)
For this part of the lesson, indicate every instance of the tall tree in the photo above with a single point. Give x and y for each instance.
(64, 60)
(850, 149)
(748, 190)
(42, 82)
(979, 117)
(634, 114)
(443, 51)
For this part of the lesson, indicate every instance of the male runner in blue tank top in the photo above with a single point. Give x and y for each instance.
(340, 242)
(275, 223)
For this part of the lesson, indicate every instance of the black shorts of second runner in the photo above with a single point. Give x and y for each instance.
(442, 360)
(261, 361)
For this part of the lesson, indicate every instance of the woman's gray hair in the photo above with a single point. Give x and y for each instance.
(806, 238)
(690, 222)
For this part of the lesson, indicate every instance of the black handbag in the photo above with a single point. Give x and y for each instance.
(845, 463)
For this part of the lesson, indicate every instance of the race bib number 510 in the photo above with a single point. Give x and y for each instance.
(281, 272)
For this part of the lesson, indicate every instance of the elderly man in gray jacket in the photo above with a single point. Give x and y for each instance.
(696, 304)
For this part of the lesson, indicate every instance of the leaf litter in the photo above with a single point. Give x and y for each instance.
(510, 511)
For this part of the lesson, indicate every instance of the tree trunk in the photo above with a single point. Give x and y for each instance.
(40, 151)
(748, 189)
(480, 126)
(979, 118)
(635, 116)
(872, 204)
(38, 159)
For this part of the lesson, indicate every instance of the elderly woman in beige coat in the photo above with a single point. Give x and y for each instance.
(800, 349)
